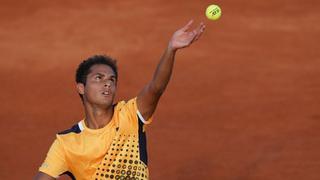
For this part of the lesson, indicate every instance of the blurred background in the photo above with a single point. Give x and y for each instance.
(243, 102)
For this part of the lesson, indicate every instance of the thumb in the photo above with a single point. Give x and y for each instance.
(187, 26)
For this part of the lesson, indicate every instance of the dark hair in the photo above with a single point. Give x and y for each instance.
(84, 67)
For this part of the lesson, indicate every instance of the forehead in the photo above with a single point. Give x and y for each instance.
(102, 69)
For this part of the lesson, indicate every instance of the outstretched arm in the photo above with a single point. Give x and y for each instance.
(148, 98)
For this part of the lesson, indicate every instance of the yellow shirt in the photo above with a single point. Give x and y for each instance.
(116, 151)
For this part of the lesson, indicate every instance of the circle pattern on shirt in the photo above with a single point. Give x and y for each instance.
(122, 161)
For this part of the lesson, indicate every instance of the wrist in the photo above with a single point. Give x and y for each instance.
(170, 48)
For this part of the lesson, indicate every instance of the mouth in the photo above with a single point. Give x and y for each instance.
(106, 93)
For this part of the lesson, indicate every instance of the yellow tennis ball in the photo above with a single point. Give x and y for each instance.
(213, 12)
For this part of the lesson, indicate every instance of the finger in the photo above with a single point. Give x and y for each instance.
(199, 34)
(200, 31)
(187, 26)
(200, 27)
(194, 33)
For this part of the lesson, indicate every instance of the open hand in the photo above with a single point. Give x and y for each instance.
(185, 36)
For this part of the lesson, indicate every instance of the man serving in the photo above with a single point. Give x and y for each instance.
(110, 142)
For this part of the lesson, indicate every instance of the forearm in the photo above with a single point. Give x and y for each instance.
(148, 98)
(43, 176)
(163, 71)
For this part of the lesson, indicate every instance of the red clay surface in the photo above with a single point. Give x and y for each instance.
(243, 102)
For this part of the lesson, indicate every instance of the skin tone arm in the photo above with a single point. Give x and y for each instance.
(148, 98)
(43, 176)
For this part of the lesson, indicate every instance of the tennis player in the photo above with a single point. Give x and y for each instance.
(110, 142)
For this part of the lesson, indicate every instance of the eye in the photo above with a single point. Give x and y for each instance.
(98, 77)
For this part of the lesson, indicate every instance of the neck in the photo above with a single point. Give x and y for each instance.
(97, 117)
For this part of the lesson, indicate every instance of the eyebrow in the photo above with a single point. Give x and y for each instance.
(111, 76)
(99, 74)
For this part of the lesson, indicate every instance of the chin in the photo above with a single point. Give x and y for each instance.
(107, 103)
(102, 102)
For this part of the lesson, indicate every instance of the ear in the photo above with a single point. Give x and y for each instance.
(80, 88)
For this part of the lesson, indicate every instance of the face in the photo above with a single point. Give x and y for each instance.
(100, 86)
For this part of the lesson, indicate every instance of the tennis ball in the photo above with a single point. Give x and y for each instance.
(213, 12)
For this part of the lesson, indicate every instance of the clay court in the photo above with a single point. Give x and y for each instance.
(243, 102)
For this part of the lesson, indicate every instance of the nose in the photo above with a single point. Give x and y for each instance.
(107, 84)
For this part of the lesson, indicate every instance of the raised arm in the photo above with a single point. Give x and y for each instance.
(148, 98)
